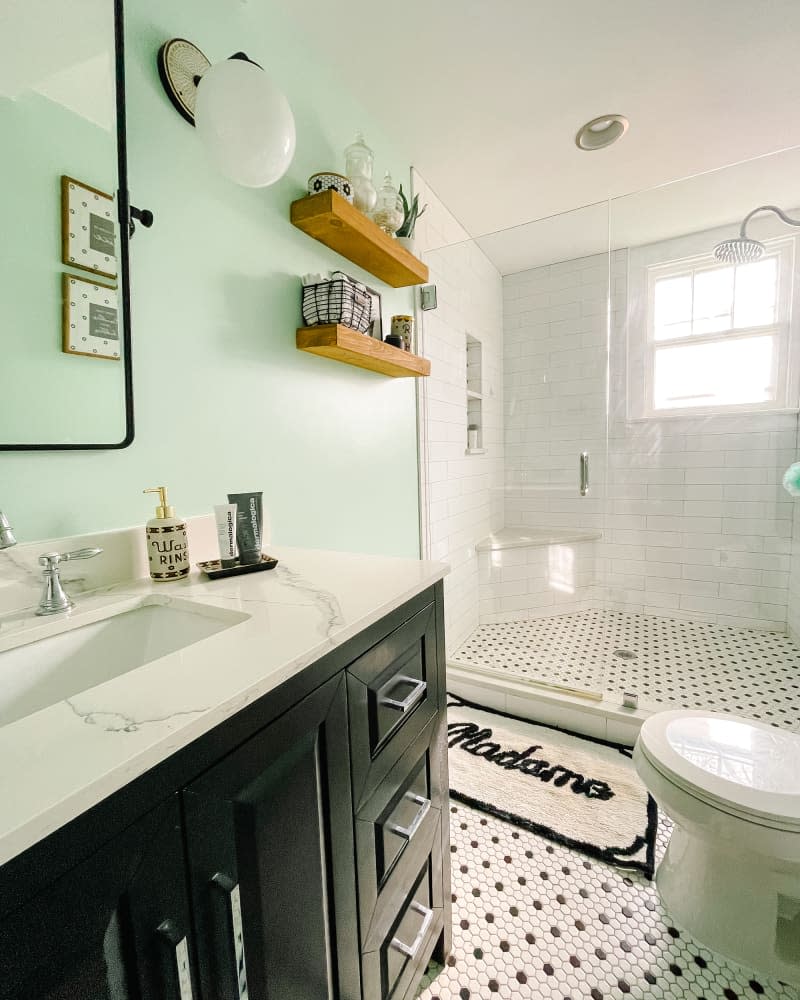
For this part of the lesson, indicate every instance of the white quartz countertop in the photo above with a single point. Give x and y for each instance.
(62, 760)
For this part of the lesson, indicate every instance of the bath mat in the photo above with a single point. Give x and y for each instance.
(574, 790)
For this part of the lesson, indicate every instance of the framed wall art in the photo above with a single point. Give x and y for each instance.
(91, 319)
(376, 324)
(88, 228)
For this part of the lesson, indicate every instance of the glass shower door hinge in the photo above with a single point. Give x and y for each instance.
(427, 297)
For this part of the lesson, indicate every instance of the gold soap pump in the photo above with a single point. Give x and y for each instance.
(167, 542)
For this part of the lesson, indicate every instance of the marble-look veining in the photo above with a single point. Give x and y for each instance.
(60, 761)
(326, 601)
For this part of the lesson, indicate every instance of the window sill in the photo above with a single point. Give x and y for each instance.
(694, 414)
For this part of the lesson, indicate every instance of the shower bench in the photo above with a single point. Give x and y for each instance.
(532, 572)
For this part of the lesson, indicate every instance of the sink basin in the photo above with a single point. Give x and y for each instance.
(48, 670)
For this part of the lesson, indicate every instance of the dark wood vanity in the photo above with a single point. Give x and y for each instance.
(298, 851)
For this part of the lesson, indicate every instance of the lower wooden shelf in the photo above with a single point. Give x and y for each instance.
(354, 348)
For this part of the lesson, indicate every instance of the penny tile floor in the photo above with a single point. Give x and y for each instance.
(536, 920)
(667, 662)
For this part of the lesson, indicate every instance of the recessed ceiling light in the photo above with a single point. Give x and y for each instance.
(601, 132)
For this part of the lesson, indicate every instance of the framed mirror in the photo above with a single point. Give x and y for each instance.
(65, 364)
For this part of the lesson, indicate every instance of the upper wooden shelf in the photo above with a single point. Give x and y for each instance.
(332, 220)
(353, 348)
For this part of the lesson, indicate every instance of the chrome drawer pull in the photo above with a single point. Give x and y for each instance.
(409, 831)
(231, 890)
(171, 934)
(410, 700)
(411, 949)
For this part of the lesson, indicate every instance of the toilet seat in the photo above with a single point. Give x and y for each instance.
(741, 767)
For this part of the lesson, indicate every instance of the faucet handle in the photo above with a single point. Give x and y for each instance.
(6, 533)
(81, 554)
(50, 560)
(54, 600)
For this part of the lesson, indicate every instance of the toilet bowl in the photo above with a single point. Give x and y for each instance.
(731, 873)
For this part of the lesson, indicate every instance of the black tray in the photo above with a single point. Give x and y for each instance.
(214, 569)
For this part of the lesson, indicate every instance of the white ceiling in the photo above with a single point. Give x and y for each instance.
(487, 97)
(697, 204)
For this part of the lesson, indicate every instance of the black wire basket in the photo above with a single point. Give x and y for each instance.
(340, 300)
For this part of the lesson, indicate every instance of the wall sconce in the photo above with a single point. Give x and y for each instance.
(242, 119)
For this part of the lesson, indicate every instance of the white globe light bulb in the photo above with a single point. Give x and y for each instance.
(245, 123)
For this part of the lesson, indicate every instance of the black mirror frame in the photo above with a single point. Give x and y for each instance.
(123, 213)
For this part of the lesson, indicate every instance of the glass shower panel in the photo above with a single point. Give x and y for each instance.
(703, 398)
(541, 575)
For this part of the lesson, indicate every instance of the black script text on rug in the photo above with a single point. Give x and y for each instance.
(577, 791)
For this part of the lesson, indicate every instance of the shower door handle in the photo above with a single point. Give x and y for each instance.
(584, 473)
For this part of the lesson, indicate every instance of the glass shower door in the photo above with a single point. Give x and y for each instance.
(544, 570)
(702, 425)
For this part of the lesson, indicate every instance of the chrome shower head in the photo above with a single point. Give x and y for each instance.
(743, 250)
(739, 251)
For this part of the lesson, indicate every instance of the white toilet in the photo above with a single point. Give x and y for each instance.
(731, 874)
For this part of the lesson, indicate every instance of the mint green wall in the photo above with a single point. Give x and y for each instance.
(85, 396)
(224, 401)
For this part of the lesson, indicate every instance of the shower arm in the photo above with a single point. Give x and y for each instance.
(766, 208)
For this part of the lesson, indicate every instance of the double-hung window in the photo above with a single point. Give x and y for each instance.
(712, 337)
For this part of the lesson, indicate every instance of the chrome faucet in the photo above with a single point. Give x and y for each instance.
(54, 599)
(6, 533)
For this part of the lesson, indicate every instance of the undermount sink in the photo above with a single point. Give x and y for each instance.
(40, 673)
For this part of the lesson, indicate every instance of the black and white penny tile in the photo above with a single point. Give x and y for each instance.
(532, 919)
(669, 663)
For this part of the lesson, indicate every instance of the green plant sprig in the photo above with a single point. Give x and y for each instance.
(411, 213)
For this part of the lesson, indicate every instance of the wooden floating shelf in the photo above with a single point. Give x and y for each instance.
(332, 220)
(354, 348)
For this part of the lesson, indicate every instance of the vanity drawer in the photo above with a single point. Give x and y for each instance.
(393, 693)
(396, 827)
(404, 818)
(403, 944)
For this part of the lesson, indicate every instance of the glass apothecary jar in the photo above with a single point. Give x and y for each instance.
(359, 160)
(388, 212)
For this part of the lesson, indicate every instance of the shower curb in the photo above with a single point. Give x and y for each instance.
(602, 719)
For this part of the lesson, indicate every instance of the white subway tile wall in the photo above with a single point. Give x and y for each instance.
(462, 495)
(555, 392)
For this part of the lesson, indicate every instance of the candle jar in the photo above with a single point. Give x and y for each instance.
(402, 330)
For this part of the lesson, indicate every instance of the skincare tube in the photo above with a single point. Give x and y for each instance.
(225, 515)
(248, 525)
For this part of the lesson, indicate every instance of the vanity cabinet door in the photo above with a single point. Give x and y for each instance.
(115, 927)
(269, 835)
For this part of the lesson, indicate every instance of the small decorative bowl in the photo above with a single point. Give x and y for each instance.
(331, 182)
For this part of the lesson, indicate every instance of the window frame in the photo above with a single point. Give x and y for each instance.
(691, 255)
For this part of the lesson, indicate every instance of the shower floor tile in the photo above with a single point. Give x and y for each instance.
(536, 921)
(668, 663)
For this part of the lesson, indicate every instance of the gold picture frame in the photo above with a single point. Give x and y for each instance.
(91, 321)
(88, 228)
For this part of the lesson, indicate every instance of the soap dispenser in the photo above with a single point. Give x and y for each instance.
(167, 544)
